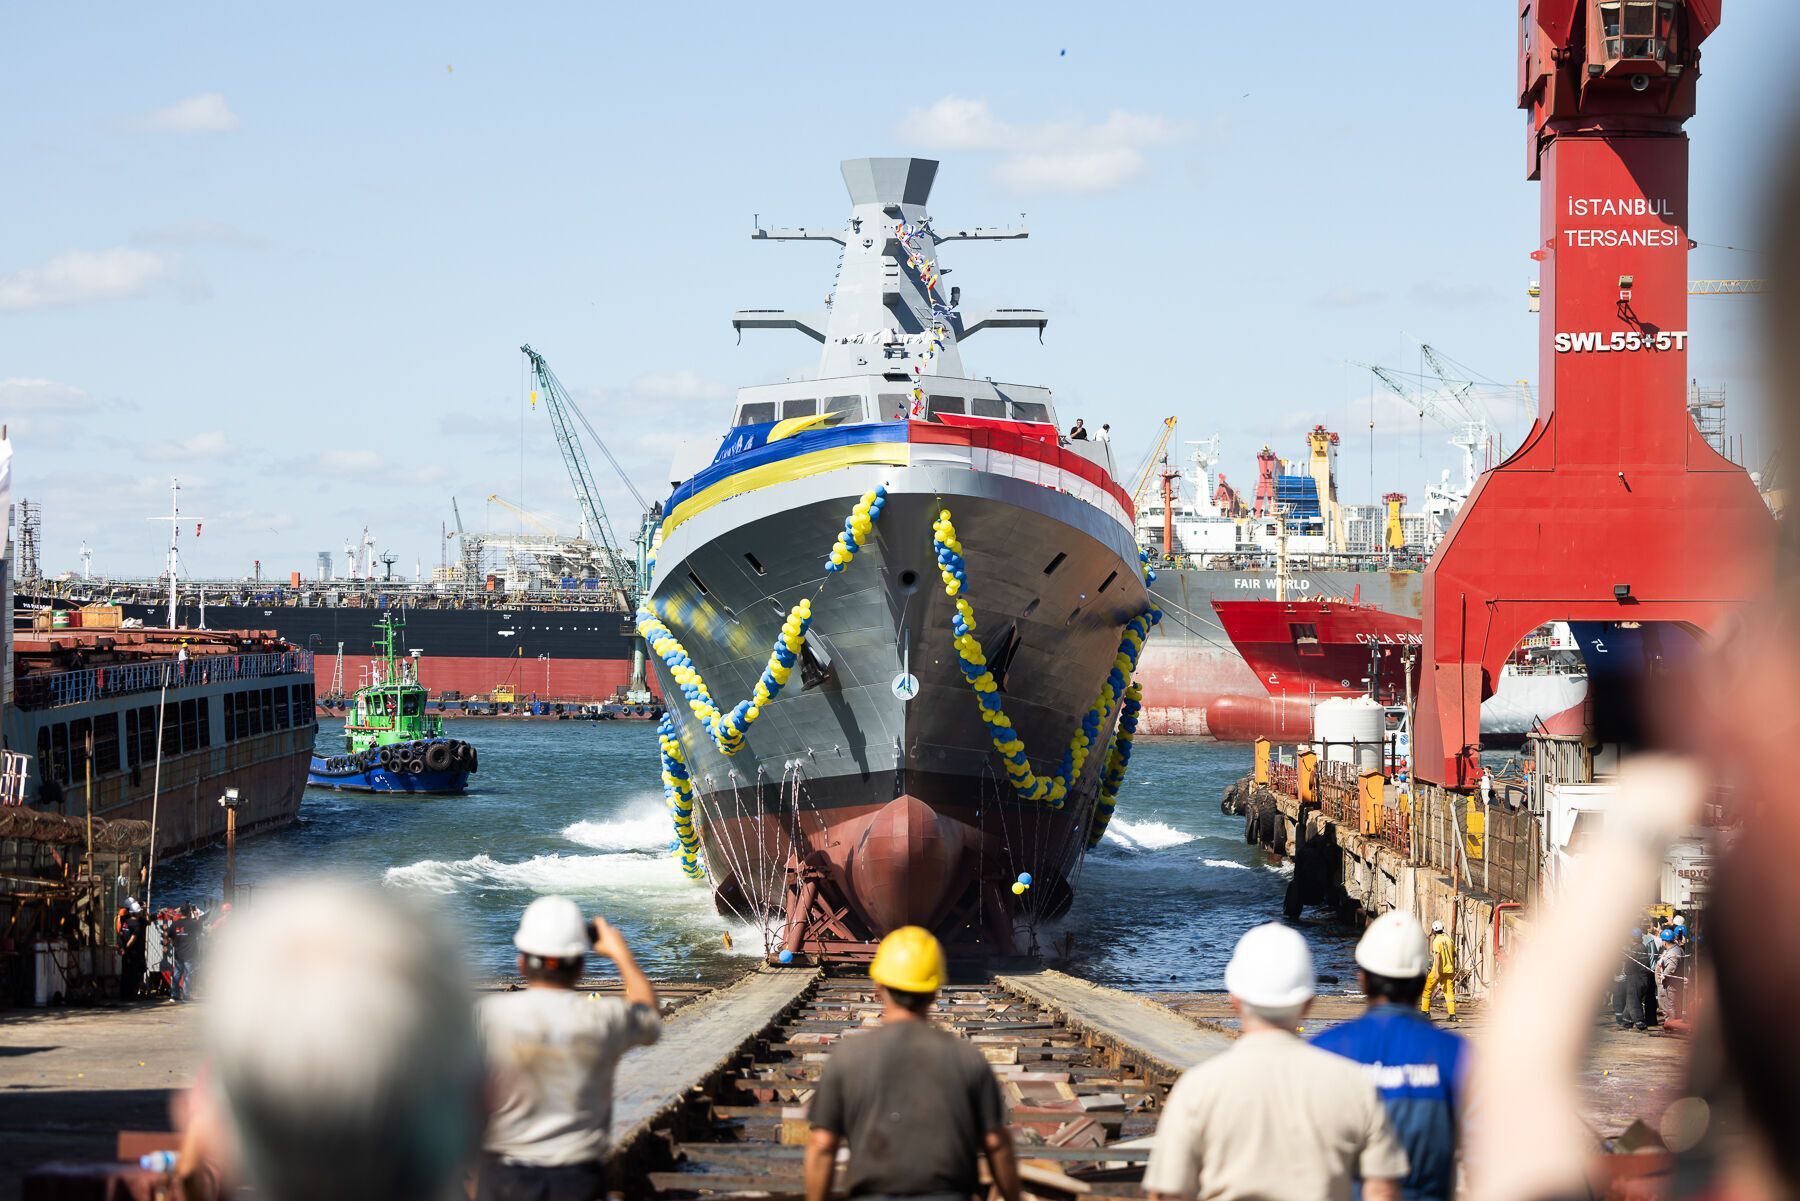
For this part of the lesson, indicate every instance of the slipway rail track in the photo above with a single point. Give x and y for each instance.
(718, 1108)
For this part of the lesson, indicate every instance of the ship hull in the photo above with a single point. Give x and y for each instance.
(895, 811)
(573, 654)
(205, 757)
(379, 779)
(1191, 667)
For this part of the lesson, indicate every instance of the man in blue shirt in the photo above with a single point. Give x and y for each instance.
(1417, 1067)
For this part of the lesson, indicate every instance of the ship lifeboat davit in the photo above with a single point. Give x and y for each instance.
(906, 867)
(1247, 718)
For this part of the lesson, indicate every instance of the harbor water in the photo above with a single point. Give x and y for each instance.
(576, 808)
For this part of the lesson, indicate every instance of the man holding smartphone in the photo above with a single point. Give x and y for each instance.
(552, 1053)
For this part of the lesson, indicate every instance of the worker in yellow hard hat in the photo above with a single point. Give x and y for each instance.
(918, 1105)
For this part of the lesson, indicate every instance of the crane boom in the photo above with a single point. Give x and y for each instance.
(1726, 287)
(1149, 467)
(560, 408)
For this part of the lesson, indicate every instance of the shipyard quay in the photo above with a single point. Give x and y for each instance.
(597, 607)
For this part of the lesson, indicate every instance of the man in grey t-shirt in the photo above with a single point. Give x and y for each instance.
(918, 1105)
(552, 1052)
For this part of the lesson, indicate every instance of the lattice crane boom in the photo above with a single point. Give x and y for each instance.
(1148, 470)
(563, 414)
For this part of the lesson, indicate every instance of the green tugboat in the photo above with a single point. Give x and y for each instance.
(391, 744)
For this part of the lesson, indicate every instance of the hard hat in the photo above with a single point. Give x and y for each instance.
(1437, 927)
(1272, 968)
(131, 903)
(1394, 945)
(910, 960)
(1668, 934)
(1680, 920)
(552, 928)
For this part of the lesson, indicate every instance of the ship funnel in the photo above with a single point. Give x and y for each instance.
(889, 181)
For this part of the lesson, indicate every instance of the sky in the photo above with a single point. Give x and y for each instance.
(289, 256)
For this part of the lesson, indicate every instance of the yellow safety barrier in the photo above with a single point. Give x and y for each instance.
(1262, 762)
(1374, 800)
(1307, 779)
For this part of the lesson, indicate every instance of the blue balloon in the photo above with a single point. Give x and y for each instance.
(785, 957)
(1025, 878)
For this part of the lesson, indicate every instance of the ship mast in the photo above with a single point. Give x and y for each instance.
(174, 541)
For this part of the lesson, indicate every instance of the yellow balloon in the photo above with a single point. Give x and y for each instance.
(1018, 889)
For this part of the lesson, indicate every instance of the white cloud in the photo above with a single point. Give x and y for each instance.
(201, 233)
(209, 444)
(26, 395)
(343, 461)
(679, 385)
(81, 275)
(205, 113)
(1069, 155)
(372, 469)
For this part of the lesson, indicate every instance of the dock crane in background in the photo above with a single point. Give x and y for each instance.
(1147, 469)
(535, 520)
(631, 575)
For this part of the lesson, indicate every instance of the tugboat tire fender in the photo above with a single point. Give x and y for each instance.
(439, 756)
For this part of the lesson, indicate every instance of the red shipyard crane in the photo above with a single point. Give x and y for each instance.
(1614, 509)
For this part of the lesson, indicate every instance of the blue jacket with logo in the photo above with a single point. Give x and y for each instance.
(1418, 1070)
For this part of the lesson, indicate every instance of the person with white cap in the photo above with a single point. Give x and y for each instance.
(1419, 1069)
(133, 950)
(552, 1053)
(1274, 1117)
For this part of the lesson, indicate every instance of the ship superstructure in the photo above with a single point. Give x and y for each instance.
(948, 589)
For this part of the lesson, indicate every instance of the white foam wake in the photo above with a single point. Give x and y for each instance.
(577, 874)
(1226, 863)
(642, 828)
(1146, 835)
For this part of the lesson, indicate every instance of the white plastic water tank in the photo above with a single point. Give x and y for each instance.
(1350, 730)
(48, 983)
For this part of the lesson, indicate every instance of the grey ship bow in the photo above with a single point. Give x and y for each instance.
(859, 802)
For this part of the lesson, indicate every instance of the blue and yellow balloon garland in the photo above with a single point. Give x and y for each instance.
(857, 527)
(1028, 784)
(1118, 759)
(727, 729)
(678, 791)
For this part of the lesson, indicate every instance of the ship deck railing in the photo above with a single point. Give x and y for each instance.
(56, 689)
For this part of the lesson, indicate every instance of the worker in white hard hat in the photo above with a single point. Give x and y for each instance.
(553, 1052)
(1418, 1069)
(1273, 1117)
(1441, 972)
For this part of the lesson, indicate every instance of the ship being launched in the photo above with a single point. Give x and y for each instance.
(955, 604)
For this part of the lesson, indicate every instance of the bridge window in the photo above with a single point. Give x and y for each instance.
(756, 413)
(281, 708)
(106, 743)
(848, 408)
(190, 726)
(1030, 410)
(892, 406)
(79, 732)
(987, 406)
(943, 404)
(805, 407)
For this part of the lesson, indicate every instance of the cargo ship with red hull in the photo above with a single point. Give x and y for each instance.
(1304, 652)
